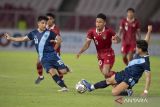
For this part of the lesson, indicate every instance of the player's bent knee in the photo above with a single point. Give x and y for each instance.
(63, 71)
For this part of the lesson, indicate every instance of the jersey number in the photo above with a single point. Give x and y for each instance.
(60, 62)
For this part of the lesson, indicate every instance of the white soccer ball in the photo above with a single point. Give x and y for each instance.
(80, 88)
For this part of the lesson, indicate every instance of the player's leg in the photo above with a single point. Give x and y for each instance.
(40, 72)
(58, 64)
(121, 77)
(100, 84)
(61, 67)
(107, 71)
(107, 64)
(130, 56)
(119, 88)
(132, 48)
(125, 59)
(57, 79)
(124, 51)
(60, 74)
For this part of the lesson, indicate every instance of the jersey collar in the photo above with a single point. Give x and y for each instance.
(100, 32)
(131, 20)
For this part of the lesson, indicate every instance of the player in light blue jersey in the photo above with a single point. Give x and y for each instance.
(130, 76)
(43, 39)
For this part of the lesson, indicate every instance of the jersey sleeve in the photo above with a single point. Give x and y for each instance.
(56, 31)
(53, 35)
(30, 35)
(90, 34)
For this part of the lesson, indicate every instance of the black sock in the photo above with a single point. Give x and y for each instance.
(101, 84)
(59, 81)
(123, 93)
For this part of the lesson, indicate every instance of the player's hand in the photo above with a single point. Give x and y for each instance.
(78, 55)
(7, 36)
(149, 28)
(144, 94)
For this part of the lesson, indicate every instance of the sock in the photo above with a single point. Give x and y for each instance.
(125, 60)
(39, 69)
(101, 84)
(123, 93)
(58, 80)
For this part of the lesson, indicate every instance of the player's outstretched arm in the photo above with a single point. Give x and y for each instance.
(85, 47)
(147, 83)
(138, 34)
(148, 35)
(119, 33)
(16, 39)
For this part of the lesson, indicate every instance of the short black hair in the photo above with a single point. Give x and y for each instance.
(51, 15)
(131, 9)
(40, 18)
(102, 16)
(142, 44)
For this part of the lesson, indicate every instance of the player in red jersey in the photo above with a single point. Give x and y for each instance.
(130, 27)
(103, 38)
(51, 26)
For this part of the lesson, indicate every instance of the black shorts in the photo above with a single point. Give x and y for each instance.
(122, 77)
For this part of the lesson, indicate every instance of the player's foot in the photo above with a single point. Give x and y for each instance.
(64, 89)
(38, 80)
(68, 69)
(87, 85)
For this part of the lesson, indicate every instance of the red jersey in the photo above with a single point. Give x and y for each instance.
(56, 30)
(102, 40)
(129, 30)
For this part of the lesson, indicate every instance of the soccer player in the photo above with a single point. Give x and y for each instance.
(130, 76)
(130, 27)
(103, 38)
(50, 26)
(47, 55)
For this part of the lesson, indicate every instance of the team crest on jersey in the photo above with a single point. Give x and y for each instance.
(35, 39)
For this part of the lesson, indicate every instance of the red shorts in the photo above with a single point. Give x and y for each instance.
(126, 48)
(106, 58)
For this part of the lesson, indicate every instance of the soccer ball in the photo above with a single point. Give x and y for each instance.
(80, 88)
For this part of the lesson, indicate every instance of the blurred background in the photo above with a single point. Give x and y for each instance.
(75, 17)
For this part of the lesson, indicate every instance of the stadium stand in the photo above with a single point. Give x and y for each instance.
(81, 12)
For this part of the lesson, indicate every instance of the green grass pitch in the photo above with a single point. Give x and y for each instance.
(18, 73)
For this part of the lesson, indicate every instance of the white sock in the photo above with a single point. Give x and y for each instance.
(92, 87)
(40, 76)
